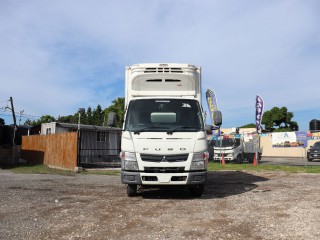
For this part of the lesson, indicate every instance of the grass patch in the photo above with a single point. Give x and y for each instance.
(40, 169)
(102, 172)
(249, 167)
(43, 169)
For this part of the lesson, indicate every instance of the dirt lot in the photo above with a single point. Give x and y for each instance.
(235, 205)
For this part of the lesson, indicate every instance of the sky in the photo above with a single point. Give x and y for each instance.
(59, 56)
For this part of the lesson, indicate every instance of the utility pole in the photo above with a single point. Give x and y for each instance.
(13, 114)
(20, 114)
(14, 131)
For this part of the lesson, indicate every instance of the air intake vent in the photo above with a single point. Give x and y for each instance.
(164, 169)
(163, 70)
(162, 158)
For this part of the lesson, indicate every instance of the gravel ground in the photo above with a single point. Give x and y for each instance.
(235, 205)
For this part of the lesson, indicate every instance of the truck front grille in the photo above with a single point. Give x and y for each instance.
(164, 169)
(164, 158)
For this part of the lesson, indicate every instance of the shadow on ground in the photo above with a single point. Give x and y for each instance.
(219, 184)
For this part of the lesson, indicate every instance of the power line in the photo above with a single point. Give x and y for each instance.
(19, 113)
(7, 115)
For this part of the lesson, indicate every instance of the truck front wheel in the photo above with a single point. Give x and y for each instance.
(131, 190)
(239, 159)
(196, 190)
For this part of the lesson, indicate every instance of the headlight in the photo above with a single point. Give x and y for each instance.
(199, 161)
(128, 161)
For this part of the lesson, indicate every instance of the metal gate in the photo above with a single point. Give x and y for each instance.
(99, 148)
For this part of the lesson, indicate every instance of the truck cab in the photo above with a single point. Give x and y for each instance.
(230, 148)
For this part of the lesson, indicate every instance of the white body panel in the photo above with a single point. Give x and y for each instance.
(163, 80)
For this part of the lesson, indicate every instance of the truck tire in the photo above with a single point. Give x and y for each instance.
(239, 159)
(309, 160)
(196, 190)
(131, 190)
(250, 157)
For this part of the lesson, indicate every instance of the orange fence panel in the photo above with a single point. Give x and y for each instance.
(56, 150)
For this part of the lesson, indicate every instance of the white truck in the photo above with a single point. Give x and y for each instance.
(164, 139)
(238, 148)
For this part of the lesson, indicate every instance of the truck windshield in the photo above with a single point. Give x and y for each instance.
(229, 142)
(164, 115)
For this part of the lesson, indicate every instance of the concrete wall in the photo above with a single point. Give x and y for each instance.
(269, 151)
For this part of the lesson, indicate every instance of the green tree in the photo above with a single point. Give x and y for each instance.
(97, 116)
(250, 125)
(279, 120)
(83, 116)
(42, 119)
(2, 122)
(118, 108)
(67, 119)
(89, 116)
(46, 119)
(30, 122)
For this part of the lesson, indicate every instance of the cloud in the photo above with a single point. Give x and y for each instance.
(57, 56)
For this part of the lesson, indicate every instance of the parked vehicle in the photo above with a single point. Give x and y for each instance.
(237, 148)
(164, 138)
(314, 152)
(210, 149)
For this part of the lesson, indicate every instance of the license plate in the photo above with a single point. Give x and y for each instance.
(315, 155)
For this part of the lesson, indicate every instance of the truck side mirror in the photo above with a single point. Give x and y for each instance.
(112, 118)
(217, 118)
(208, 129)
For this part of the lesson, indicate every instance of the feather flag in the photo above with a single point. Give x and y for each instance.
(212, 104)
(259, 112)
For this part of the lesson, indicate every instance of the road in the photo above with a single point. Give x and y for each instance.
(235, 205)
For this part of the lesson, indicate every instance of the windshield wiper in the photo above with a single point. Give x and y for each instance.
(180, 127)
(146, 129)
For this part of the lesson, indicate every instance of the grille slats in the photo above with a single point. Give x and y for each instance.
(164, 158)
(164, 169)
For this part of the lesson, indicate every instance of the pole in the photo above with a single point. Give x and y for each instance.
(13, 114)
(14, 131)
(79, 135)
(79, 142)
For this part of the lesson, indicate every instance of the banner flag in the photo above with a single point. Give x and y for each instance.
(212, 104)
(259, 112)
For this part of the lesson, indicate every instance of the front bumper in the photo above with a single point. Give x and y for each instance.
(313, 155)
(225, 158)
(186, 178)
